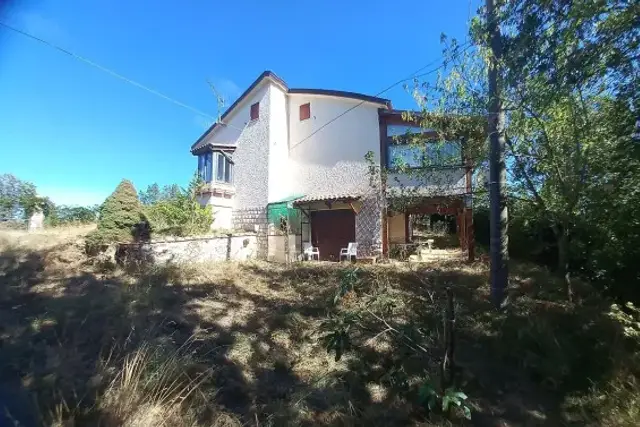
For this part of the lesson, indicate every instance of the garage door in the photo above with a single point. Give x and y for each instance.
(332, 230)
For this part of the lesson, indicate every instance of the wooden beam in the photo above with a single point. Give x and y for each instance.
(471, 241)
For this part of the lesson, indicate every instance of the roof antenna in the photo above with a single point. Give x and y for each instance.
(220, 102)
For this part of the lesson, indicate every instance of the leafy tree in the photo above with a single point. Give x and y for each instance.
(151, 195)
(121, 218)
(570, 90)
(170, 191)
(62, 215)
(18, 198)
(179, 212)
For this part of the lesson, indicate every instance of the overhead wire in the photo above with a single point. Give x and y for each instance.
(108, 71)
(413, 75)
(416, 74)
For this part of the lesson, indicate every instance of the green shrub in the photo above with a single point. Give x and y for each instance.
(121, 219)
(181, 214)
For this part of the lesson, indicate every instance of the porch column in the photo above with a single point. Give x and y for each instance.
(471, 241)
(461, 229)
(385, 233)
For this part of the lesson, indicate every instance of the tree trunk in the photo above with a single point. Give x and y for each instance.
(497, 169)
(562, 237)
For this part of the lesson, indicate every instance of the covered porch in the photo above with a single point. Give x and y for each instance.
(439, 227)
(329, 222)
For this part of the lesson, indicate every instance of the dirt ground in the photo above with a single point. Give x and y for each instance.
(251, 334)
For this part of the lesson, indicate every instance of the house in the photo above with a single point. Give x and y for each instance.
(302, 151)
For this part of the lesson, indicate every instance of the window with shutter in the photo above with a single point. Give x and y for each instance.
(305, 111)
(255, 111)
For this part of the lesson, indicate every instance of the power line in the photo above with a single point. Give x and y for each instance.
(410, 77)
(413, 75)
(108, 71)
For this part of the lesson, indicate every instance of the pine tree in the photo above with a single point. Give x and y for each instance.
(121, 217)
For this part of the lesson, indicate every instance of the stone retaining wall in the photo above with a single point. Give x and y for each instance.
(192, 249)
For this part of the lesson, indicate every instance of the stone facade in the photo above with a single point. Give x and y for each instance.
(253, 220)
(251, 158)
(369, 227)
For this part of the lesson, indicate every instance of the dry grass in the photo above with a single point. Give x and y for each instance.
(229, 344)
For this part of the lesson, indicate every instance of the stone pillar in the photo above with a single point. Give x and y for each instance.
(36, 222)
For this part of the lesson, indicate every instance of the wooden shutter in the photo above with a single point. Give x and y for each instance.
(305, 111)
(255, 111)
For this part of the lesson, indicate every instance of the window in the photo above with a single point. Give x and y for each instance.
(399, 130)
(255, 111)
(429, 154)
(205, 166)
(305, 111)
(224, 169)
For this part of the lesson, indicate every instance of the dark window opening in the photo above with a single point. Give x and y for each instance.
(205, 166)
(424, 155)
(305, 111)
(224, 169)
(255, 111)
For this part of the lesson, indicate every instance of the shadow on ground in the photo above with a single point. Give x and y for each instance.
(256, 326)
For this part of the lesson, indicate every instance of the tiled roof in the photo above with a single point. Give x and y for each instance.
(326, 197)
(208, 146)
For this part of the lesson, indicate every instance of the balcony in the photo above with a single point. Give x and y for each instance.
(218, 189)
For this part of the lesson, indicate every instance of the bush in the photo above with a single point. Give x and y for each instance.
(180, 215)
(121, 219)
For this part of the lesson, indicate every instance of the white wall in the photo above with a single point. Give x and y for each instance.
(279, 178)
(332, 160)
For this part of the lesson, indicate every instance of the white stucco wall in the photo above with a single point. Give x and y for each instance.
(279, 178)
(332, 160)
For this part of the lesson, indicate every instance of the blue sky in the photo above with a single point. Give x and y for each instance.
(76, 131)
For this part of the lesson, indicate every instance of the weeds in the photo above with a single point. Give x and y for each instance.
(235, 344)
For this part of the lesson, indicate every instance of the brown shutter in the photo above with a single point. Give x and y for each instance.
(255, 111)
(305, 111)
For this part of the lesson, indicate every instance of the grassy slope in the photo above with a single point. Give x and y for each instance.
(235, 344)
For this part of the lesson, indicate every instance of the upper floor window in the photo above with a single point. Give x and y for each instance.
(205, 166)
(255, 111)
(216, 165)
(305, 111)
(399, 130)
(411, 146)
(424, 155)
(224, 169)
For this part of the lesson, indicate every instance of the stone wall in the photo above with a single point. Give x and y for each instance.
(253, 220)
(192, 249)
(369, 227)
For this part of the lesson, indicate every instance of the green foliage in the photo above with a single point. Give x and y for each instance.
(121, 218)
(569, 79)
(153, 194)
(445, 402)
(629, 319)
(179, 212)
(348, 281)
(336, 332)
(18, 198)
(69, 215)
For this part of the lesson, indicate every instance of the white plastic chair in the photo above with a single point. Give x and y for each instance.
(310, 251)
(350, 252)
